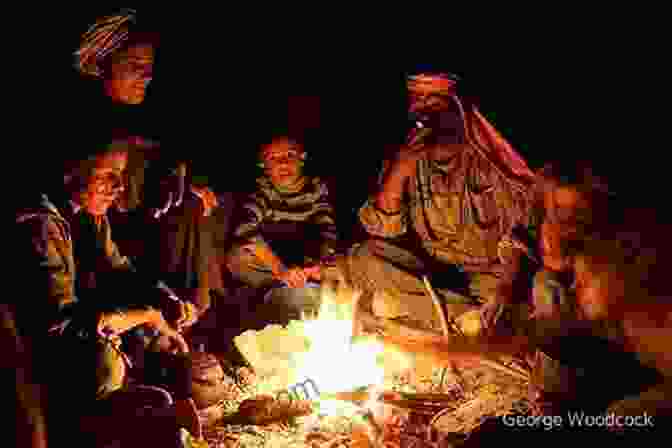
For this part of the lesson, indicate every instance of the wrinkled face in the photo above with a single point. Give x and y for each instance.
(283, 161)
(105, 183)
(565, 211)
(129, 75)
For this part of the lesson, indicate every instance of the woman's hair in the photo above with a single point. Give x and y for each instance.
(79, 162)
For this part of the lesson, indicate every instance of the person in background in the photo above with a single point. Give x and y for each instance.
(118, 54)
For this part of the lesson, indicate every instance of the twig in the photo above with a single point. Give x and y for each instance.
(440, 309)
(438, 305)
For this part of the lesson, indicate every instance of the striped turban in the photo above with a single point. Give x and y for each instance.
(432, 84)
(104, 37)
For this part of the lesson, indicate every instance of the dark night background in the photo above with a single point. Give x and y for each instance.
(218, 92)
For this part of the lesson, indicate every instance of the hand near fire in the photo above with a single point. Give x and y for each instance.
(180, 314)
(297, 277)
(170, 340)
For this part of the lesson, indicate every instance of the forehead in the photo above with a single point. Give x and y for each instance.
(139, 52)
(566, 197)
(112, 161)
(430, 84)
(280, 145)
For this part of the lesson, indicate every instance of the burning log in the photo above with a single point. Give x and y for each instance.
(263, 410)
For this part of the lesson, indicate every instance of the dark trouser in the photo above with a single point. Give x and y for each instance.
(151, 366)
(175, 248)
(132, 416)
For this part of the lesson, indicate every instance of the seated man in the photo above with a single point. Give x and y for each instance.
(289, 231)
(447, 205)
(573, 203)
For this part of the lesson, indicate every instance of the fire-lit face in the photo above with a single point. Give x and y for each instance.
(130, 73)
(429, 94)
(598, 288)
(564, 209)
(283, 161)
(423, 103)
(105, 183)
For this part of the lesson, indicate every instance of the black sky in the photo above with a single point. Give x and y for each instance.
(219, 91)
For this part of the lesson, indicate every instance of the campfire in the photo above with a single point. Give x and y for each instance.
(314, 383)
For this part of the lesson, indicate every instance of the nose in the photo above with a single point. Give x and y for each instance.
(147, 73)
(118, 185)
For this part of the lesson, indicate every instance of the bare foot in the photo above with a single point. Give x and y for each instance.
(187, 417)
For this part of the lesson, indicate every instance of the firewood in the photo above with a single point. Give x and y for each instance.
(392, 328)
(265, 409)
(449, 349)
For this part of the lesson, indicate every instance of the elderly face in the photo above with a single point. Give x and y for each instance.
(130, 73)
(105, 183)
(283, 160)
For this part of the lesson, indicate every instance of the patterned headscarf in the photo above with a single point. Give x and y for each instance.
(433, 84)
(479, 132)
(105, 36)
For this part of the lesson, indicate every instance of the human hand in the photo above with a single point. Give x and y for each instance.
(170, 192)
(207, 197)
(490, 313)
(180, 314)
(171, 340)
(405, 160)
(313, 272)
(294, 277)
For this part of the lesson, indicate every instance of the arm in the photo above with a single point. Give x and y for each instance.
(45, 259)
(384, 214)
(182, 313)
(255, 211)
(324, 217)
(118, 323)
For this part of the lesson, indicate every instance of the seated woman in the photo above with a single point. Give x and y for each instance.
(85, 330)
(288, 233)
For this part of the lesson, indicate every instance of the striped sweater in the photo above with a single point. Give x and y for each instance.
(311, 205)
